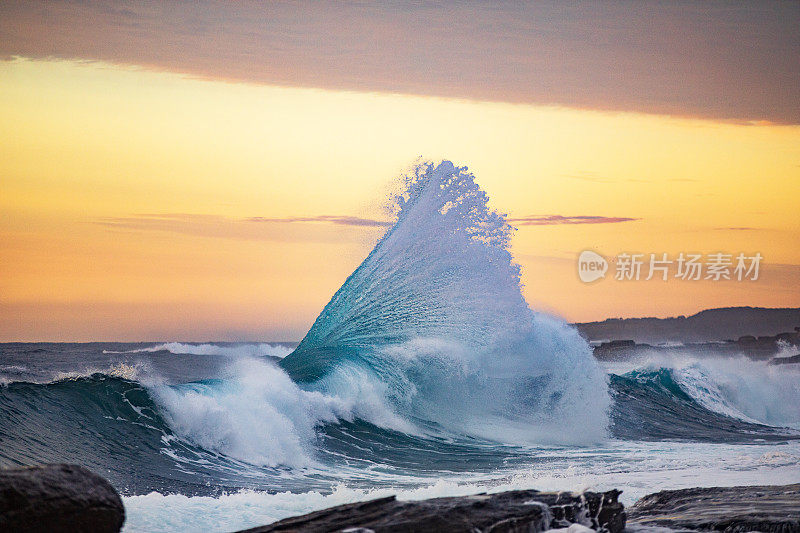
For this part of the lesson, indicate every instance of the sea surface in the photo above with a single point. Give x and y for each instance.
(426, 374)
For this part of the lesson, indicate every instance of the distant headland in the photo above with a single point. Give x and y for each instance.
(710, 325)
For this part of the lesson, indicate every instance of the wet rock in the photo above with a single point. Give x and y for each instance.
(506, 512)
(791, 360)
(725, 509)
(56, 498)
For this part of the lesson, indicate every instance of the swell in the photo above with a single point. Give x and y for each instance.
(654, 405)
(141, 442)
(109, 424)
(132, 434)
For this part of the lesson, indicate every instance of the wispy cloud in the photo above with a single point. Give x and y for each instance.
(549, 53)
(341, 220)
(549, 220)
(310, 228)
(295, 228)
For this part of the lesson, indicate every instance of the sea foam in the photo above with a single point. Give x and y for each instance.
(239, 350)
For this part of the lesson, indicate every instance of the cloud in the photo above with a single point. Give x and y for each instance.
(709, 59)
(548, 220)
(331, 219)
(317, 228)
(321, 228)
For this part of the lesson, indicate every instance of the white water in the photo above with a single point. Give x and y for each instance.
(636, 468)
(257, 414)
(241, 350)
(734, 386)
(745, 389)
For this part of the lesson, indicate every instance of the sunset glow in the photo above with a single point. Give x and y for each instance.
(128, 199)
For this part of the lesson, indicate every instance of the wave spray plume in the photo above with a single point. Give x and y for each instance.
(436, 315)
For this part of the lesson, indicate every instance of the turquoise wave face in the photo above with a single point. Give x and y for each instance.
(442, 271)
(435, 317)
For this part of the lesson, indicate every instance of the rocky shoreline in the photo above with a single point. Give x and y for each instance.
(70, 498)
(729, 509)
(518, 510)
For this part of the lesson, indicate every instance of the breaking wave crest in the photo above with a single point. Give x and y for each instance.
(436, 317)
(738, 388)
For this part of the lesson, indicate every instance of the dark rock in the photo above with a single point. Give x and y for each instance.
(784, 360)
(620, 350)
(56, 498)
(618, 343)
(726, 509)
(506, 512)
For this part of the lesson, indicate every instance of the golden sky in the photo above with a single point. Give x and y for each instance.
(146, 205)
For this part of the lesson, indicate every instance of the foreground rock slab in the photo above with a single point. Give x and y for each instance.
(726, 509)
(506, 512)
(56, 498)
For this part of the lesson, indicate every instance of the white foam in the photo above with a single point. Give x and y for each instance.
(118, 370)
(239, 350)
(636, 468)
(745, 389)
(734, 386)
(573, 528)
(257, 414)
(534, 393)
(670, 344)
(12, 373)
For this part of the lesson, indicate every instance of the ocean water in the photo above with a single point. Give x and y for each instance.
(426, 374)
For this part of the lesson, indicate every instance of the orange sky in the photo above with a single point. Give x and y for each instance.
(143, 204)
